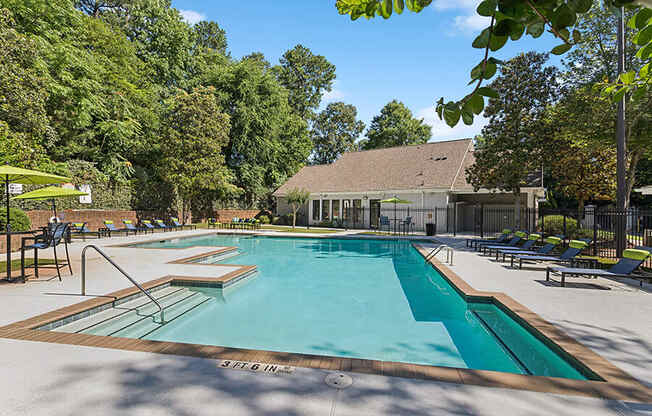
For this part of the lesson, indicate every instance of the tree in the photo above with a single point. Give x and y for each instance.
(194, 133)
(395, 126)
(585, 171)
(510, 19)
(334, 132)
(209, 35)
(516, 141)
(593, 61)
(306, 76)
(297, 198)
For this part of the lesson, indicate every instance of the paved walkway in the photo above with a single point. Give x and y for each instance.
(51, 379)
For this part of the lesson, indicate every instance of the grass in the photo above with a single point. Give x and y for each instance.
(15, 264)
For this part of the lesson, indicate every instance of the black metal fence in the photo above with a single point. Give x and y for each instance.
(599, 226)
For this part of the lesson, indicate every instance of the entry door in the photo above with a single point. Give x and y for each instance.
(374, 212)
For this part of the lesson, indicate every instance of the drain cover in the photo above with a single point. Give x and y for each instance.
(338, 380)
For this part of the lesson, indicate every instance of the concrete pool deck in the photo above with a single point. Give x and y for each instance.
(44, 378)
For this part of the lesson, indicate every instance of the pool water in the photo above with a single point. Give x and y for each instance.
(372, 299)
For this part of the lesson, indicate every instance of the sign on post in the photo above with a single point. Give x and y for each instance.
(15, 188)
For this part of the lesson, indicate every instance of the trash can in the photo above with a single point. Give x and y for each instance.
(430, 228)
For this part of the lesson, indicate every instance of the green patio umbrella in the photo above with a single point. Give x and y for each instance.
(10, 174)
(395, 200)
(51, 193)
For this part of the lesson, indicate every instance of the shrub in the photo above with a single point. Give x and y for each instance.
(326, 224)
(19, 220)
(264, 219)
(554, 225)
(277, 221)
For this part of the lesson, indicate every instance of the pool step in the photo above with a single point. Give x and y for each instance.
(99, 318)
(145, 327)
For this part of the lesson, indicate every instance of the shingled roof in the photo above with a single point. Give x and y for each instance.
(438, 165)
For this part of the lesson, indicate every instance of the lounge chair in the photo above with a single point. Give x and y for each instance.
(54, 236)
(384, 223)
(502, 238)
(129, 224)
(518, 237)
(551, 243)
(111, 228)
(214, 223)
(176, 223)
(147, 225)
(527, 245)
(575, 247)
(632, 260)
(160, 224)
(80, 229)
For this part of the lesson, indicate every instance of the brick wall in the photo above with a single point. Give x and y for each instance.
(229, 214)
(93, 218)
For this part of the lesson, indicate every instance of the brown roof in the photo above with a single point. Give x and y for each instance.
(426, 166)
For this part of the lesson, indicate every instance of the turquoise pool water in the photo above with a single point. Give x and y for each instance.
(373, 299)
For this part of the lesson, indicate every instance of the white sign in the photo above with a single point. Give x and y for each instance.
(256, 367)
(85, 199)
(15, 188)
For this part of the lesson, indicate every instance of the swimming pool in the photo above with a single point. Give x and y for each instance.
(361, 298)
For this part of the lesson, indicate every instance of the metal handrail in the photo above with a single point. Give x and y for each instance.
(135, 283)
(436, 250)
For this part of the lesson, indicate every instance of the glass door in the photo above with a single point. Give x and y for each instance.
(374, 212)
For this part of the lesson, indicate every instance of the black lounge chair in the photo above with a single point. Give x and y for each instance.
(527, 246)
(110, 228)
(518, 237)
(129, 225)
(551, 243)
(160, 224)
(177, 224)
(502, 238)
(214, 223)
(575, 247)
(80, 229)
(54, 236)
(632, 260)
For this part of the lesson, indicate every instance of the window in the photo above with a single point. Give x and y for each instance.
(315, 210)
(346, 207)
(357, 210)
(325, 210)
(336, 209)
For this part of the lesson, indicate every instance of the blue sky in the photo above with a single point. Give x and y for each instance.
(415, 58)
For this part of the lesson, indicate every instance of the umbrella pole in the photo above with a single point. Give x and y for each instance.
(54, 207)
(8, 230)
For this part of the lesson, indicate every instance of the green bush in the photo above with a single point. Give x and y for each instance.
(19, 220)
(326, 224)
(554, 225)
(264, 219)
(277, 220)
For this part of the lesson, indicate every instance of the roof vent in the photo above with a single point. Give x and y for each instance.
(439, 158)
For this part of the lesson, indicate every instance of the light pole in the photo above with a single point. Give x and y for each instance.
(621, 146)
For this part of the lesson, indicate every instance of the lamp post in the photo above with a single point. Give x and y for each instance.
(621, 146)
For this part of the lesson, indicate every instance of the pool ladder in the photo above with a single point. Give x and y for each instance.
(436, 250)
(125, 274)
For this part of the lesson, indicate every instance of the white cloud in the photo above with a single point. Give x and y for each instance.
(472, 22)
(441, 131)
(333, 95)
(456, 4)
(191, 17)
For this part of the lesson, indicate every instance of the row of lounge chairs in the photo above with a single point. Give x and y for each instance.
(81, 229)
(235, 223)
(521, 248)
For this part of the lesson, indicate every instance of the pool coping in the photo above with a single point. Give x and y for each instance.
(617, 384)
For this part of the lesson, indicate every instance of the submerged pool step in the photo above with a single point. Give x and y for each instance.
(145, 327)
(99, 318)
(145, 311)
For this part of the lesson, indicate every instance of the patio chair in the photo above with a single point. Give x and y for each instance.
(575, 247)
(111, 228)
(80, 229)
(384, 222)
(551, 243)
(632, 260)
(406, 225)
(527, 245)
(52, 238)
(502, 238)
(518, 237)
(160, 224)
(176, 223)
(147, 225)
(129, 224)
(214, 223)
